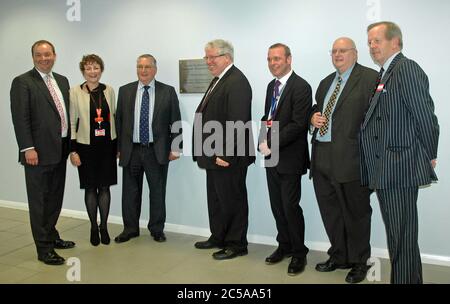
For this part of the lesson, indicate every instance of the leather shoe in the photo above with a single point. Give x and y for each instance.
(51, 258)
(226, 254)
(296, 266)
(159, 237)
(330, 265)
(277, 256)
(61, 244)
(357, 274)
(125, 236)
(207, 245)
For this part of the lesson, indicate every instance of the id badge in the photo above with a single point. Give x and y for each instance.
(269, 123)
(99, 132)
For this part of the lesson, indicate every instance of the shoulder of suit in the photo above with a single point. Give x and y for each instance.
(130, 85)
(163, 85)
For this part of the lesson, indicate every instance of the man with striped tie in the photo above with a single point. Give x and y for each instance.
(399, 141)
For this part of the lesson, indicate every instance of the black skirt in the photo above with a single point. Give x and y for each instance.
(98, 164)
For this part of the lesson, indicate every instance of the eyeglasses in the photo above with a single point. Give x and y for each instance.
(206, 58)
(342, 51)
(144, 67)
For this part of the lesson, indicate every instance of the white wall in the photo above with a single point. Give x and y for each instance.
(119, 31)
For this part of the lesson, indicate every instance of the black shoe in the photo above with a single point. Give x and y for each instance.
(329, 265)
(125, 236)
(159, 237)
(277, 256)
(61, 244)
(51, 258)
(296, 266)
(104, 236)
(226, 254)
(207, 245)
(95, 238)
(357, 274)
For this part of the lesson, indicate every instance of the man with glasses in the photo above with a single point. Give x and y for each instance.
(342, 99)
(226, 102)
(399, 139)
(146, 111)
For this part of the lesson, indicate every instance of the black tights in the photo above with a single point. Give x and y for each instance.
(97, 198)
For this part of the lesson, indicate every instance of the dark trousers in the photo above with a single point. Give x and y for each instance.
(143, 160)
(284, 193)
(45, 191)
(345, 210)
(399, 211)
(228, 206)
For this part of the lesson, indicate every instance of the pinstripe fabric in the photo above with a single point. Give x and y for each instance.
(399, 211)
(399, 136)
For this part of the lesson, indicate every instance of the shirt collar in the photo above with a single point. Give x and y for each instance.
(285, 78)
(43, 75)
(389, 61)
(225, 70)
(346, 74)
(151, 84)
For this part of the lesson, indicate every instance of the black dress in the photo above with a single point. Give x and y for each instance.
(98, 159)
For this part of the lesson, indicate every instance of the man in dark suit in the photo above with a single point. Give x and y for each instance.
(342, 100)
(39, 107)
(226, 106)
(284, 132)
(146, 112)
(399, 140)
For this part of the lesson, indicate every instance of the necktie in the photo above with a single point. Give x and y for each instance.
(208, 92)
(329, 108)
(143, 118)
(57, 102)
(380, 76)
(275, 96)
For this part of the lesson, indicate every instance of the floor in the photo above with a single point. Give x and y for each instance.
(142, 260)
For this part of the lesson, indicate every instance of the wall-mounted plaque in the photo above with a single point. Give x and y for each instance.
(194, 76)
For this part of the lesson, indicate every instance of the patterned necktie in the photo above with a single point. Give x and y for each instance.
(275, 96)
(380, 76)
(329, 108)
(57, 102)
(143, 118)
(208, 92)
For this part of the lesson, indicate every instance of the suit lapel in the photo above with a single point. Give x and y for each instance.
(351, 82)
(44, 90)
(284, 93)
(384, 81)
(158, 99)
(219, 84)
(132, 104)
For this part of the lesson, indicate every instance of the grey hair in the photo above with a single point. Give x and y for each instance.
(392, 31)
(224, 47)
(148, 56)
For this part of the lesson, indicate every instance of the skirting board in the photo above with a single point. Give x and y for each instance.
(252, 238)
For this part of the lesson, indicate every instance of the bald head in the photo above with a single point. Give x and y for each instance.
(344, 54)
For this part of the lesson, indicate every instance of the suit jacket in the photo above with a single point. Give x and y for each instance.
(80, 115)
(347, 118)
(35, 117)
(399, 136)
(165, 114)
(292, 115)
(230, 101)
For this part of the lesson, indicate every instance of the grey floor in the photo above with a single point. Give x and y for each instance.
(143, 260)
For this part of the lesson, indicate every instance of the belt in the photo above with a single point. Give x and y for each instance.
(147, 145)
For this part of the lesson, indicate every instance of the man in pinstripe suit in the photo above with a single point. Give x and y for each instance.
(399, 141)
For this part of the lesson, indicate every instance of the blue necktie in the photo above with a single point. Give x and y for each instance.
(143, 119)
(276, 94)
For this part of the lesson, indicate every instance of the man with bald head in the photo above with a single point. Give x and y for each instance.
(342, 99)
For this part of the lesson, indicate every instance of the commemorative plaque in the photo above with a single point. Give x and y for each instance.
(194, 76)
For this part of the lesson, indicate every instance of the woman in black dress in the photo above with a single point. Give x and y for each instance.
(94, 149)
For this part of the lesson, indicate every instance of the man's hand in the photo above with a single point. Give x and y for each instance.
(174, 155)
(31, 157)
(317, 120)
(434, 163)
(221, 162)
(264, 148)
(75, 159)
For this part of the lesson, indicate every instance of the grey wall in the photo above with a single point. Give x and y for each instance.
(119, 31)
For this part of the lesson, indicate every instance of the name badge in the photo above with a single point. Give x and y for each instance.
(269, 123)
(100, 132)
(380, 87)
